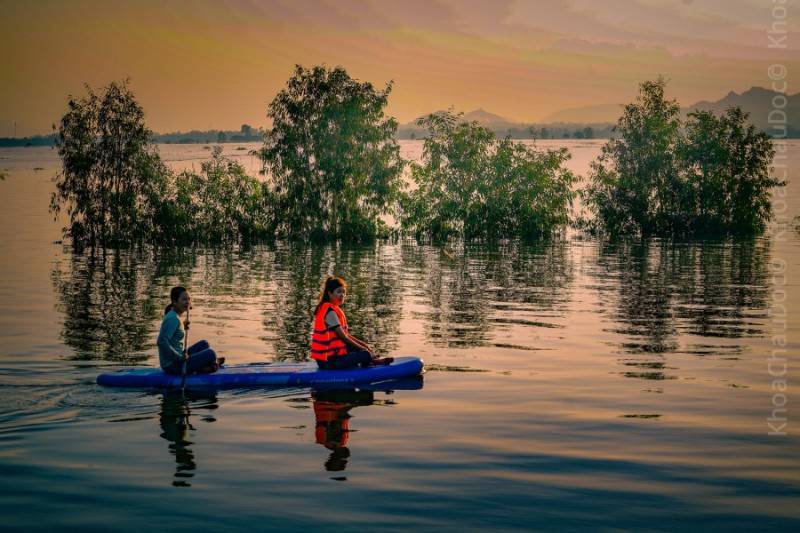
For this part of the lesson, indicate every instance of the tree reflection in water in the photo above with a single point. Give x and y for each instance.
(373, 303)
(703, 294)
(108, 299)
(471, 290)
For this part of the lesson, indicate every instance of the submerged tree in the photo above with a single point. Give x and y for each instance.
(727, 161)
(662, 176)
(635, 181)
(110, 168)
(331, 155)
(220, 204)
(472, 185)
(117, 190)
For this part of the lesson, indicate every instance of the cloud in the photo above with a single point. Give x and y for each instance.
(210, 63)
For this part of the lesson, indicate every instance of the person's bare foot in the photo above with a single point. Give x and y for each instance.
(382, 361)
(220, 361)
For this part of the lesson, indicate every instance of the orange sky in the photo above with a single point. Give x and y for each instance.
(217, 64)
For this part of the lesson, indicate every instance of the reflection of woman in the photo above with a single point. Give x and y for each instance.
(332, 413)
(332, 345)
(199, 357)
(175, 426)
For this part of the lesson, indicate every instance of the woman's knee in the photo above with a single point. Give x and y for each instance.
(199, 346)
(208, 355)
(200, 360)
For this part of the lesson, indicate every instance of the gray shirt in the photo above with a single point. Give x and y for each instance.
(331, 319)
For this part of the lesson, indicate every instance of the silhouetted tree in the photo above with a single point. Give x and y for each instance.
(471, 184)
(334, 163)
(111, 173)
(726, 161)
(662, 177)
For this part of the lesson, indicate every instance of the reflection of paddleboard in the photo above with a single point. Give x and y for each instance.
(281, 374)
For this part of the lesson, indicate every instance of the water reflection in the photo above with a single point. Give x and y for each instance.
(373, 297)
(332, 417)
(175, 421)
(108, 303)
(664, 297)
(473, 291)
(111, 300)
(332, 414)
(677, 297)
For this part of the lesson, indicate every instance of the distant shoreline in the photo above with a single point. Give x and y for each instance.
(563, 131)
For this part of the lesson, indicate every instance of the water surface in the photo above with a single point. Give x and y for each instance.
(574, 383)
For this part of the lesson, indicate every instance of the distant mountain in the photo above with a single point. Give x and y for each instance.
(518, 130)
(479, 115)
(485, 118)
(757, 101)
(588, 113)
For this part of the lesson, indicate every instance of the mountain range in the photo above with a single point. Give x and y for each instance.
(757, 101)
(587, 122)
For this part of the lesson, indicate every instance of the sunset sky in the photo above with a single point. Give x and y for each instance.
(217, 64)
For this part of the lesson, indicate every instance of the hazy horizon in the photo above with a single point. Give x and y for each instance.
(217, 65)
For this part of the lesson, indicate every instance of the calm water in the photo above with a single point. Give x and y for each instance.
(574, 384)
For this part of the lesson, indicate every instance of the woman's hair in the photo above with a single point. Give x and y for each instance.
(174, 294)
(331, 284)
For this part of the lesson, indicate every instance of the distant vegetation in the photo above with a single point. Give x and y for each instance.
(664, 176)
(245, 134)
(332, 170)
(36, 140)
(502, 128)
(472, 185)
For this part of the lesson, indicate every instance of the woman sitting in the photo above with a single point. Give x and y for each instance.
(172, 353)
(332, 345)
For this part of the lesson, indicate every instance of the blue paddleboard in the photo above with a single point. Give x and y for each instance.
(274, 374)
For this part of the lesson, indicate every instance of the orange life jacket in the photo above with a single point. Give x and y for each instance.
(324, 341)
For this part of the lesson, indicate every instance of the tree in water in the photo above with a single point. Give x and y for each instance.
(111, 176)
(331, 156)
(664, 176)
(472, 185)
(634, 182)
(727, 164)
(220, 204)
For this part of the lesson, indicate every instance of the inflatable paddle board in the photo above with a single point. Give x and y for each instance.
(269, 374)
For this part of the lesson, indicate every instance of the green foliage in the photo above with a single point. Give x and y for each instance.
(661, 176)
(118, 191)
(333, 162)
(109, 168)
(726, 162)
(472, 185)
(220, 204)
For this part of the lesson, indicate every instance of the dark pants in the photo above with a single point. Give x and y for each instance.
(351, 359)
(201, 359)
